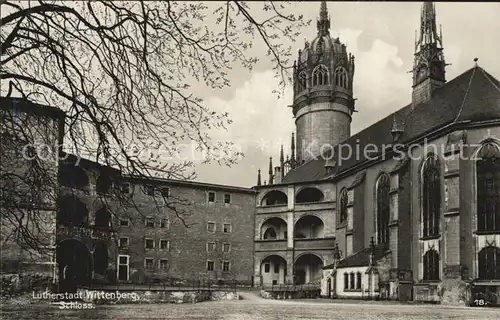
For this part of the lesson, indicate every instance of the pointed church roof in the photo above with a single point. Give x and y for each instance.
(472, 96)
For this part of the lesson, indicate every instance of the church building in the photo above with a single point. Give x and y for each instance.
(408, 208)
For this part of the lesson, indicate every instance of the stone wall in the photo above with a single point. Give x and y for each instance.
(145, 297)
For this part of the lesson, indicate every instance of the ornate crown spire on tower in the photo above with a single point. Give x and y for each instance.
(429, 65)
(323, 23)
(428, 29)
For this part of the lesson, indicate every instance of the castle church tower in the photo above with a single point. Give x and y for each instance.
(429, 65)
(322, 97)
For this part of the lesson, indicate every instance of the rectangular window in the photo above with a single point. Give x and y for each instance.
(163, 264)
(225, 266)
(267, 267)
(124, 223)
(211, 226)
(358, 281)
(149, 243)
(227, 198)
(150, 222)
(276, 268)
(165, 192)
(149, 263)
(227, 227)
(210, 265)
(164, 244)
(150, 190)
(165, 223)
(226, 247)
(123, 242)
(123, 268)
(210, 246)
(211, 196)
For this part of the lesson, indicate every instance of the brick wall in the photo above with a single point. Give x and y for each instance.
(188, 253)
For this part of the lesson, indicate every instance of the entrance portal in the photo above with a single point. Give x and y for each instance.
(75, 265)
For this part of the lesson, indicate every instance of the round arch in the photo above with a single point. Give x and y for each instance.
(102, 219)
(308, 268)
(273, 269)
(71, 211)
(279, 226)
(308, 253)
(308, 226)
(73, 176)
(309, 194)
(75, 264)
(274, 198)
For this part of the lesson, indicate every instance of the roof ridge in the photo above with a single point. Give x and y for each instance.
(466, 94)
(490, 78)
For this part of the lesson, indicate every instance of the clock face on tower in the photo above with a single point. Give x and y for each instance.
(421, 73)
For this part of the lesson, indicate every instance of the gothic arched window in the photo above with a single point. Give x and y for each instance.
(488, 188)
(431, 197)
(358, 280)
(320, 76)
(431, 265)
(383, 208)
(341, 77)
(343, 205)
(302, 81)
(489, 263)
(346, 281)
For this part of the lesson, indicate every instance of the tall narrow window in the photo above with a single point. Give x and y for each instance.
(488, 188)
(383, 208)
(320, 76)
(346, 281)
(352, 281)
(302, 81)
(341, 77)
(358, 281)
(489, 263)
(431, 197)
(343, 205)
(431, 265)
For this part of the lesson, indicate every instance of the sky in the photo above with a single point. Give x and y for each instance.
(381, 37)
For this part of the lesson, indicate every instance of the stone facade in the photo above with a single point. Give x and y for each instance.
(309, 241)
(209, 235)
(30, 144)
(416, 195)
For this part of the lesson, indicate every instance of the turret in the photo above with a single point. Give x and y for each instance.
(429, 64)
(323, 92)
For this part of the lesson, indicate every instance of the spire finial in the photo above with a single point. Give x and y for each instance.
(428, 29)
(323, 23)
(429, 59)
(292, 156)
(282, 156)
(475, 62)
(258, 178)
(270, 170)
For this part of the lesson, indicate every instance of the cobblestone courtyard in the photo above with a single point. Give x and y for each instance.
(254, 309)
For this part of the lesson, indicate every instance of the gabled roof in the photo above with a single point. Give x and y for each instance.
(360, 258)
(472, 96)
